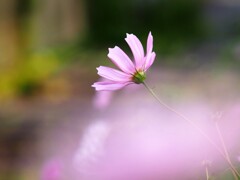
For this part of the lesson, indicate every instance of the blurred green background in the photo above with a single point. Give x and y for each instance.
(41, 38)
(49, 50)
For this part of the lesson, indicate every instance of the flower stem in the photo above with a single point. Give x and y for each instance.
(207, 173)
(224, 147)
(196, 127)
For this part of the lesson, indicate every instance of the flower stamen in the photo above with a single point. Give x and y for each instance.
(139, 77)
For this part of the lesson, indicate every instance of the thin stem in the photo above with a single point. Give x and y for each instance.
(224, 147)
(195, 126)
(207, 173)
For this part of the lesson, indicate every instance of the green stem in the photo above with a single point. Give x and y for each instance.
(195, 126)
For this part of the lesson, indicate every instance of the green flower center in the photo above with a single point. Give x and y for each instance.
(139, 77)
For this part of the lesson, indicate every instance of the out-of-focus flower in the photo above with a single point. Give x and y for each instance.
(91, 146)
(206, 163)
(131, 72)
(217, 116)
(52, 170)
(102, 98)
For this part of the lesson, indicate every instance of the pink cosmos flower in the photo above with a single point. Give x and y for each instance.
(130, 71)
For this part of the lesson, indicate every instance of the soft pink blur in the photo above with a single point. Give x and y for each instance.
(52, 170)
(149, 142)
(135, 138)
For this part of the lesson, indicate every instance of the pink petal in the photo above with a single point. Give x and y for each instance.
(120, 59)
(137, 49)
(149, 43)
(149, 60)
(109, 86)
(113, 74)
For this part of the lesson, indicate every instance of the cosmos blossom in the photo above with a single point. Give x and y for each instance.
(130, 71)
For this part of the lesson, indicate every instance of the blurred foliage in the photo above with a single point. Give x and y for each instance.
(174, 23)
(42, 37)
(25, 78)
(229, 58)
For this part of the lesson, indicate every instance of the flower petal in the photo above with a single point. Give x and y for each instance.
(149, 60)
(113, 74)
(149, 43)
(120, 59)
(109, 85)
(137, 50)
